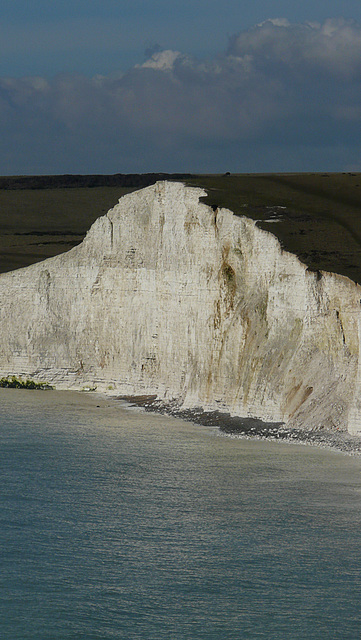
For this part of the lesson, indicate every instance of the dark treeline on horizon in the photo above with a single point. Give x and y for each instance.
(127, 180)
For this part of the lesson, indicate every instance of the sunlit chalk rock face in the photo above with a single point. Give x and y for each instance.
(166, 296)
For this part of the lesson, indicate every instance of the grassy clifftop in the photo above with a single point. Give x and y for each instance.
(315, 216)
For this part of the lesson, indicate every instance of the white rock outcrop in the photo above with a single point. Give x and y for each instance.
(167, 297)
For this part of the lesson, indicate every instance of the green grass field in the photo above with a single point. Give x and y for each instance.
(315, 216)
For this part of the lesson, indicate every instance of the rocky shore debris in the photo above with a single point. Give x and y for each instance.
(250, 427)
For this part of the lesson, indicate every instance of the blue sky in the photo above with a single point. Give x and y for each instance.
(118, 86)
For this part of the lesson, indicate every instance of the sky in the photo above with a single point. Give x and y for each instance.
(117, 86)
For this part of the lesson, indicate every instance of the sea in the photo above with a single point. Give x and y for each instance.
(116, 523)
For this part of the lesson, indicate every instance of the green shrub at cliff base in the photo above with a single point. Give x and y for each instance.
(12, 382)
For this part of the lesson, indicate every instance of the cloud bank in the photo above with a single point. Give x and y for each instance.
(282, 97)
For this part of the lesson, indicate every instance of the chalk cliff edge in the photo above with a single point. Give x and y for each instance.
(202, 308)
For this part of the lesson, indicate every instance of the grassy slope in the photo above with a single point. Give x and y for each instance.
(321, 221)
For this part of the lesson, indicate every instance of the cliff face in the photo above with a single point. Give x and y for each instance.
(165, 296)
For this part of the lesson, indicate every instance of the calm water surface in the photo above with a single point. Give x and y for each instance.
(121, 524)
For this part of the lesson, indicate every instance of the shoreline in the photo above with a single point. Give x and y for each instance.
(231, 426)
(250, 428)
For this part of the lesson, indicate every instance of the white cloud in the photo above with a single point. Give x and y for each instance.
(161, 60)
(277, 84)
(277, 22)
(333, 47)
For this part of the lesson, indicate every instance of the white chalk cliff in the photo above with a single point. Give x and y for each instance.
(165, 296)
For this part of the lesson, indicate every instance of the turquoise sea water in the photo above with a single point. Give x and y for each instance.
(122, 524)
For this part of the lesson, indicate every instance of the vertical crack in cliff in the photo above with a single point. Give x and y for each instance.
(111, 234)
(215, 210)
(341, 326)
